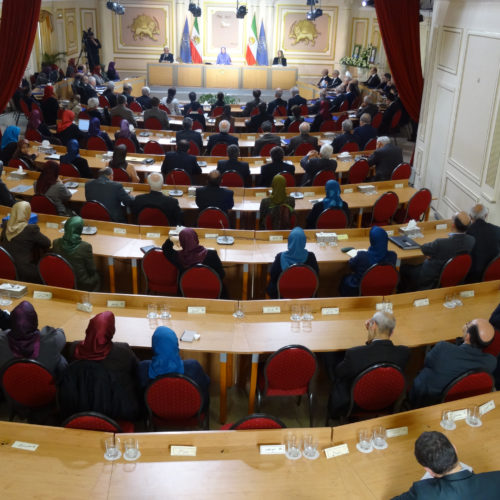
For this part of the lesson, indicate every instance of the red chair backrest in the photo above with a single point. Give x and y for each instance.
(193, 148)
(103, 101)
(297, 282)
(329, 126)
(384, 208)
(213, 217)
(467, 385)
(84, 114)
(371, 144)
(344, 106)
(95, 210)
(258, 421)
(396, 118)
(455, 270)
(68, 170)
(219, 149)
(200, 282)
(349, 147)
(217, 111)
(304, 110)
(287, 219)
(161, 274)
(8, 269)
(418, 204)
(377, 120)
(289, 178)
(323, 176)
(492, 271)
(494, 347)
(164, 108)
(178, 177)
(116, 120)
(231, 178)
(153, 148)
(153, 124)
(331, 218)
(24, 108)
(121, 175)
(379, 279)
(128, 143)
(41, 204)
(197, 125)
(56, 271)
(266, 149)
(358, 172)
(33, 135)
(279, 111)
(135, 107)
(92, 421)
(96, 143)
(150, 216)
(402, 171)
(18, 162)
(294, 126)
(303, 149)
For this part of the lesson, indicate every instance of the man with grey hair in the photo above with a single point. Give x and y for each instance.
(222, 137)
(188, 134)
(266, 138)
(242, 167)
(386, 158)
(378, 349)
(367, 106)
(325, 81)
(156, 112)
(365, 132)
(296, 99)
(347, 136)
(127, 92)
(304, 129)
(145, 100)
(313, 163)
(336, 81)
(156, 199)
(109, 94)
(277, 103)
(121, 110)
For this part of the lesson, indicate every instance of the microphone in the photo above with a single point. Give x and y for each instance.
(224, 237)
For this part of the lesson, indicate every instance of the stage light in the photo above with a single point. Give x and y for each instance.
(241, 11)
(314, 14)
(367, 3)
(194, 9)
(116, 7)
(312, 2)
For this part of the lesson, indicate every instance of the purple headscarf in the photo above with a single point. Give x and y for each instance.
(124, 129)
(192, 252)
(24, 336)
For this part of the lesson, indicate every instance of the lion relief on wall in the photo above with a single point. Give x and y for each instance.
(303, 31)
(145, 26)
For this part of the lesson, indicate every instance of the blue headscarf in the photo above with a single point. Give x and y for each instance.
(378, 245)
(73, 152)
(94, 127)
(333, 199)
(296, 253)
(166, 357)
(11, 134)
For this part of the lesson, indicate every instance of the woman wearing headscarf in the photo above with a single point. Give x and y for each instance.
(49, 105)
(99, 77)
(112, 73)
(71, 69)
(49, 185)
(67, 130)
(278, 205)
(377, 253)
(332, 200)
(127, 134)
(22, 153)
(24, 340)
(166, 359)
(119, 162)
(296, 254)
(24, 242)
(323, 115)
(95, 131)
(171, 102)
(9, 143)
(223, 57)
(7, 200)
(79, 254)
(35, 123)
(73, 157)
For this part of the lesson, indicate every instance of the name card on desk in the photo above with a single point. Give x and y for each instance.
(21, 445)
(329, 311)
(342, 237)
(272, 449)
(439, 227)
(271, 310)
(459, 414)
(348, 190)
(197, 310)
(309, 193)
(467, 293)
(275, 238)
(250, 138)
(182, 451)
(390, 232)
(37, 294)
(116, 303)
(84, 307)
(153, 235)
(399, 186)
(260, 195)
(119, 230)
(490, 405)
(211, 235)
(421, 302)
(397, 431)
(336, 451)
(52, 225)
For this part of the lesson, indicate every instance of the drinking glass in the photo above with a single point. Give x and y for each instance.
(112, 448)
(131, 449)
(295, 310)
(447, 421)
(306, 326)
(292, 447)
(306, 312)
(164, 311)
(152, 311)
(5, 298)
(238, 313)
(310, 447)
(379, 438)
(365, 440)
(473, 416)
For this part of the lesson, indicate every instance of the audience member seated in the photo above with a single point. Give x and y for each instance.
(341, 88)
(213, 195)
(495, 321)
(79, 254)
(7, 200)
(304, 129)
(67, 130)
(254, 123)
(87, 89)
(75, 106)
(49, 105)
(73, 157)
(347, 136)
(377, 253)
(28, 98)
(127, 93)
(49, 185)
(193, 106)
(323, 115)
(232, 163)
(249, 106)
(94, 111)
(426, 275)
(188, 134)
(226, 115)
(367, 106)
(219, 102)
(349, 95)
(171, 102)
(386, 158)
(9, 143)
(336, 81)
(119, 161)
(325, 81)
(296, 254)
(22, 153)
(71, 68)
(144, 100)
(378, 349)
(156, 199)
(35, 123)
(23, 340)
(280, 59)
(111, 194)
(394, 106)
(332, 200)
(295, 117)
(296, 99)
(121, 110)
(279, 206)
(365, 131)
(24, 242)
(112, 73)
(278, 102)
(267, 137)
(95, 131)
(277, 165)
(384, 81)
(315, 162)
(446, 361)
(127, 132)
(110, 95)
(99, 77)
(373, 80)
(180, 159)
(222, 137)
(155, 112)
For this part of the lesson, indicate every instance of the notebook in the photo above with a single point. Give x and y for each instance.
(404, 242)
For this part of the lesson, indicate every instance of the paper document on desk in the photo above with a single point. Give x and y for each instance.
(352, 253)
(73, 191)
(20, 188)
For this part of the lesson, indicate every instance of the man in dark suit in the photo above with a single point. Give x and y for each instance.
(373, 80)
(269, 170)
(109, 94)
(296, 99)
(426, 275)
(278, 102)
(222, 137)
(342, 139)
(446, 361)
(188, 134)
(121, 110)
(166, 56)
(156, 112)
(254, 123)
(213, 195)
(249, 106)
(180, 159)
(445, 477)
(156, 199)
(127, 92)
(487, 245)
(378, 349)
(385, 158)
(365, 132)
(315, 162)
(336, 80)
(111, 194)
(304, 129)
(145, 100)
(367, 107)
(323, 96)
(233, 152)
(325, 80)
(266, 138)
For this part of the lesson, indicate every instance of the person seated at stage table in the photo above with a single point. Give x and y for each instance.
(373, 80)
(294, 117)
(112, 73)
(127, 93)
(323, 115)
(232, 163)
(222, 137)
(79, 254)
(219, 102)
(22, 153)
(121, 110)
(24, 242)
(156, 112)
(35, 123)
(145, 100)
(171, 102)
(377, 253)
(342, 87)
(10, 139)
(332, 200)
(367, 106)
(347, 136)
(226, 115)
(386, 158)
(49, 105)
(119, 161)
(223, 57)
(188, 134)
(274, 204)
(193, 106)
(296, 254)
(94, 111)
(349, 95)
(280, 59)
(365, 132)
(49, 185)
(325, 81)
(95, 131)
(73, 157)
(266, 138)
(156, 199)
(251, 105)
(296, 99)
(384, 81)
(254, 123)
(180, 158)
(315, 162)
(67, 130)
(277, 103)
(166, 56)
(125, 132)
(304, 129)
(336, 81)
(110, 95)
(213, 195)
(277, 165)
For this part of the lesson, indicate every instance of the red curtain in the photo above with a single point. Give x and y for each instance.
(399, 26)
(17, 31)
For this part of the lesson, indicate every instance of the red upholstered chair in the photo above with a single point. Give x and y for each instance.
(128, 144)
(217, 111)
(175, 401)
(152, 124)
(116, 120)
(376, 122)
(18, 162)
(402, 171)
(193, 148)
(254, 112)
(92, 421)
(68, 170)
(416, 208)
(96, 143)
(471, 383)
(219, 149)
(103, 101)
(28, 387)
(332, 218)
(164, 108)
(151, 216)
(135, 107)
(384, 209)
(303, 149)
(455, 270)
(344, 106)
(494, 347)
(349, 147)
(121, 175)
(328, 126)
(255, 421)
(153, 148)
(197, 125)
(41, 204)
(304, 110)
(288, 372)
(56, 271)
(323, 176)
(266, 149)
(95, 210)
(200, 282)
(213, 217)
(33, 135)
(24, 108)
(287, 220)
(294, 126)
(370, 145)
(492, 271)
(280, 111)
(379, 279)
(8, 269)
(358, 172)
(298, 281)
(161, 275)
(231, 178)
(84, 115)
(178, 177)
(396, 119)
(289, 178)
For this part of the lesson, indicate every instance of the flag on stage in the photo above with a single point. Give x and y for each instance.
(196, 43)
(252, 44)
(185, 49)
(262, 59)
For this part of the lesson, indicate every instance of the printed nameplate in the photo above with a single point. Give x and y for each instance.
(197, 310)
(21, 445)
(153, 235)
(390, 232)
(384, 306)
(441, 226)
(182, 451)
(84, 307)
(398, 186)
(260, 195)
(309, 193)
(272, 449)
(271, 309)
(341, 237)
(336, 451)
(459, 414)
(211, 235)
(328, 311)
(275, 238)
(467, 293)
(116, 303)
(490, 405)
(119, 230)
(348, 190)
(52, 225)
(421, 302)
(250, 138)
(258, 163)
(398, 431)
(37, 294)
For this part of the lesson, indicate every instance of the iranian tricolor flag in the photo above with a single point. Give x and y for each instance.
(252, 44)
(195, 43)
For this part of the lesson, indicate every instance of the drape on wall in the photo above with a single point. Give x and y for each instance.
(18, 27)
(399, 26)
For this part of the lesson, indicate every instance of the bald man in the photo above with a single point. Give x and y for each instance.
(445, 362)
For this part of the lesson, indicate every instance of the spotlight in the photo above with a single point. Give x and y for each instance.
(367, 3)
(194, 9)
(312, 2)
(116, 7)
(241, 11)
(314, 14)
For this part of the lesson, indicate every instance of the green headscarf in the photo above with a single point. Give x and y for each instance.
(72, 234)
(278, 195)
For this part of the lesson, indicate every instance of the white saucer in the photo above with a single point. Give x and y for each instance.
(293, 458)
(383, 447)
(130, 459)
(314, 457)
(107, 457)
(369, 450)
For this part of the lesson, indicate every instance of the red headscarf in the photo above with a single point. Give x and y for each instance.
(48, 92)
(192, 252)
(67, 118)
(48, 177)
(97, 70)
(97, 343)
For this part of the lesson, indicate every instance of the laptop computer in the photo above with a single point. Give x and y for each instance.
(404, 242)
(83, 124)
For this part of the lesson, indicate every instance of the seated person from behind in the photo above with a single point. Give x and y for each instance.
(222, 137)
(365, 132)
(377, 253)
(445, 362)
(67, 130)
(188, 134)
(9, 142)
(171, 102)
(119, 161)
(219, 102)
(296, 254)
(267, 137)
(323, 115)
(445, 477)
(332, 201)
(127, 93)
(127, 132)
(325, 81)
(95, 131)
(367, 106)
(315, 162)
(295, 142)
(378, 349)
(6, 199)
(255, 122)
(190, 108)
(347, 136)
(277, 165)
(180, 159)
(121, 110)
(48, 184)
(278, 206)
(233, 152)
(73, 158)
(316, 106)
(145, 100)
(280, 59)
(294, 117)
(373, 80)
(251, 105)
(296, 99)
(212, 195)
(155, 112)
(226, 115)
(385, 158)
(278, 102)
(166, 56)
(110, 95)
